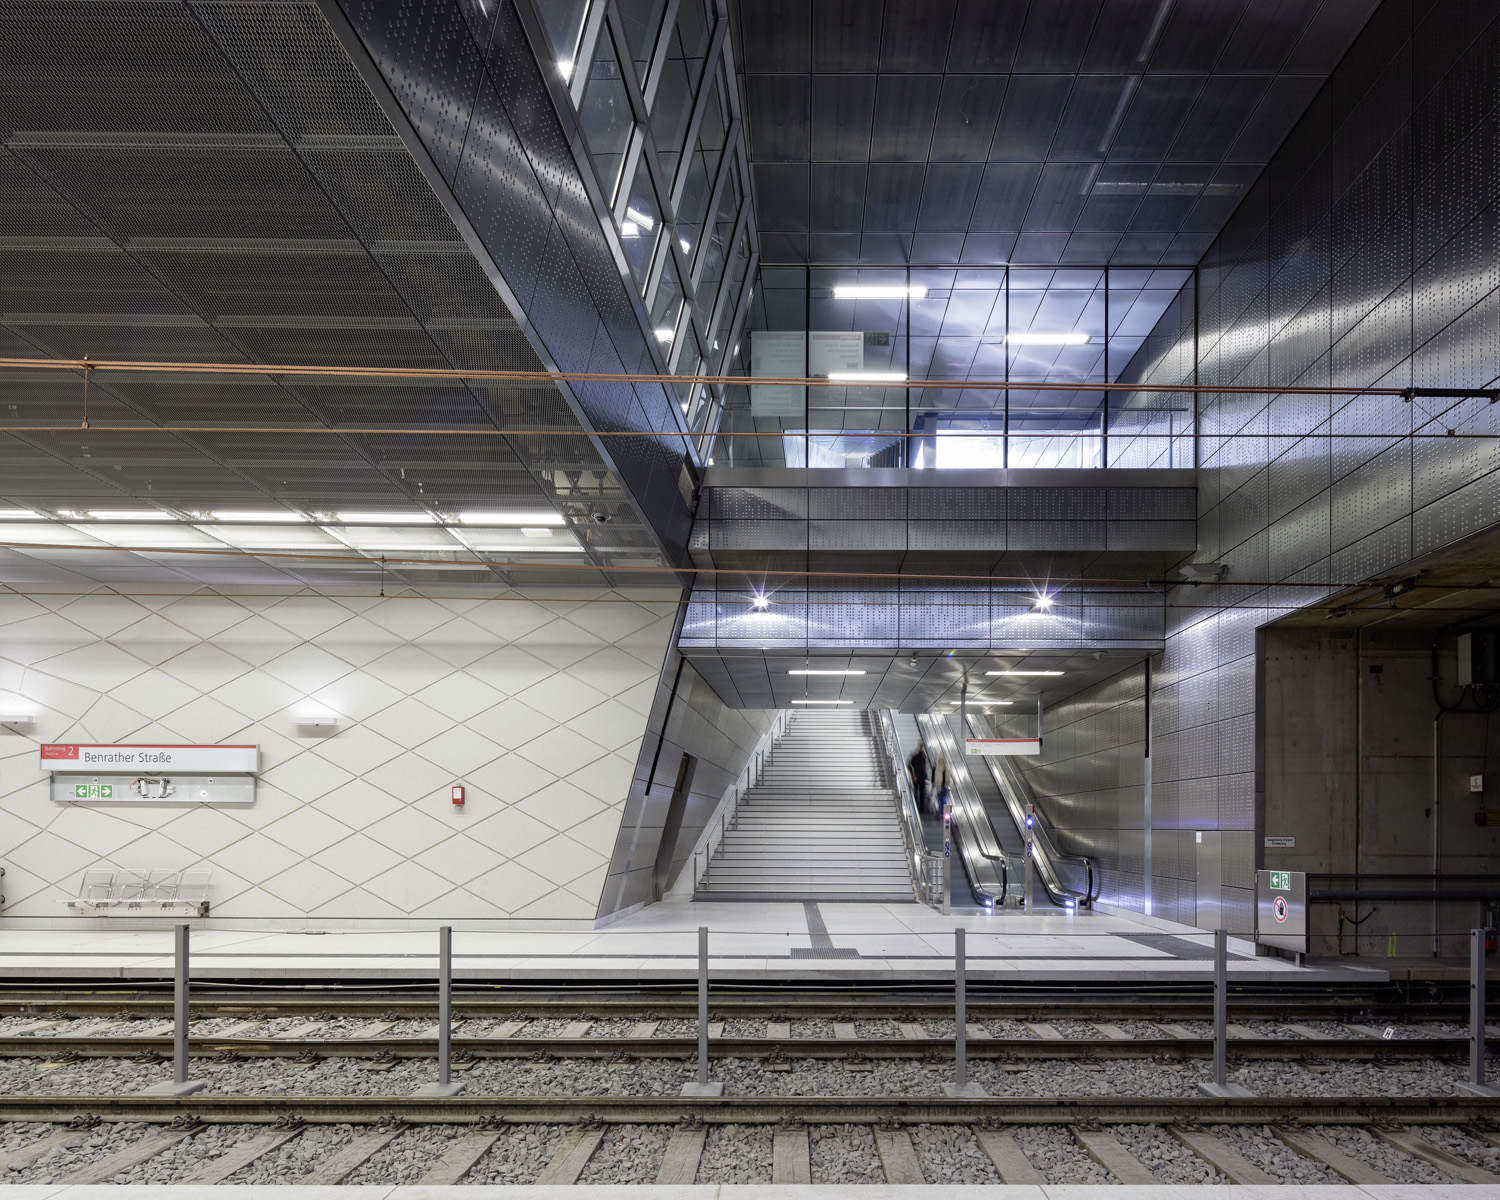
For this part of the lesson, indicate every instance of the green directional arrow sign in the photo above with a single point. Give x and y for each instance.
(1281, 881)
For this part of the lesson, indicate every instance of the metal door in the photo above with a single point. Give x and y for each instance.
(1210, 876)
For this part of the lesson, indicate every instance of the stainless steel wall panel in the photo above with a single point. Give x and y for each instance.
(1470, 509)
(856, 504)
(758, 504)
(1056, 504)
(857, 535)
(956, 535)
(1055, 535)
(1300, 538)
(1142, 535)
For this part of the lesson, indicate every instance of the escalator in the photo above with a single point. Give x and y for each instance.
(987, 869)
(1068, 879)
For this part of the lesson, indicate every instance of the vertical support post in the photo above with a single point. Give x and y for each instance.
(1475, 1084)
(180, 1006)
(445, 1005)
(1221, 1006)
(1221, 1087)
(961, 1085)
(1476, 1007)
(180, 1084)
(960, 1013)
(444, 1085)
(702, 1085)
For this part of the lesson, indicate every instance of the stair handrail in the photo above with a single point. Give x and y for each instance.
(1018, 796)
(723, 816)
(925, 866)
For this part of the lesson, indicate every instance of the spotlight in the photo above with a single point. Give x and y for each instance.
(760, 602)
(1042, 602)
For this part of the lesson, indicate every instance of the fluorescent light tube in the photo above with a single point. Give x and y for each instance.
(403, 518)
(1023, 672)
(511, 518)
(664, 334)
(867, 376)
(851, 671)
(253, 518)
(1042, 338)
(20, 514)
(879, 291)
(129, 514)
(822, 701)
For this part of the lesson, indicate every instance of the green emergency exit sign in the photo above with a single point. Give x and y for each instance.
(1281, 881)
(93, 791)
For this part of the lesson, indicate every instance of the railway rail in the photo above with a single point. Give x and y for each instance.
(559, 1140)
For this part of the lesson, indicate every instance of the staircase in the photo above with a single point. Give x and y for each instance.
(820, 825)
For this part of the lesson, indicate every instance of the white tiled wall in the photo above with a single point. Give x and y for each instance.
(538, 707)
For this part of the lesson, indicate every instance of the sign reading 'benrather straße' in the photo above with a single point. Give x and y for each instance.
(69, 757)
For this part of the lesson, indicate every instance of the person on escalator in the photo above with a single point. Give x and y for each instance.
(940, 783)
(917, 766)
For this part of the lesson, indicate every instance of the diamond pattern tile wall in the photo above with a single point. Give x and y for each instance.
(538, 707)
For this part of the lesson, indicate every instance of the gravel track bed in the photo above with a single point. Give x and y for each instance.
(743, 1027)
(736, 1154)
(1327, 1029)
(189, 1154)
(1389, 1161)
(1141, 1029)
(61, 1161)
(877, 1029)
(844, 1154)
(1006, 1028)
(950, 1154)
(628, 1154)
(611, 1027)
(549, 1027)
(677, 1027)
(1275, 1157)
(15, 1134)
(517, 1156)
(1054, 1152)
(339, 1076)
(1077, 1029)
(1261, 1029)
(1197, 1029)
(1164, 1156)
(407, 1157)
(812, 1029)
(1457, 1142)
(295, 1158)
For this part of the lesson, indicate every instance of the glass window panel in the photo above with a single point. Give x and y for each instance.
(641, 225)
(667, 303)
(641, 19)
(739, 263)
(563, 20)
(605, 116)
(717, 246)
(673, 106)
(705, 163)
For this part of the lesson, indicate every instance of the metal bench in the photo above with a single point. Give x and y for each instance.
(134, 889)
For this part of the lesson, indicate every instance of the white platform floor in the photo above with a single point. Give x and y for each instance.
(771, 941)
(763, 1192)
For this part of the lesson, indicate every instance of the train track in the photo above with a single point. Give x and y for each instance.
(558, 1140)
(979, 1047)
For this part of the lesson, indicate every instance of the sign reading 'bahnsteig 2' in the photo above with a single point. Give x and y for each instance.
(78, 758)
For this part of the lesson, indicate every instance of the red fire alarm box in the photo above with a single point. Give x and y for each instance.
(458, 795)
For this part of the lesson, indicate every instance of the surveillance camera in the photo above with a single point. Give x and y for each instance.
(599, 518)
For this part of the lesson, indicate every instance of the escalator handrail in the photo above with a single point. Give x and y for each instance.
(911, 821)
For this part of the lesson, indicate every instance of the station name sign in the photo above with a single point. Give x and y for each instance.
(976, 747)
(81, 758)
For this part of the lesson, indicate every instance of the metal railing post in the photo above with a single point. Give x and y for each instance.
(444, 1085)
(180, 1085)
(960, 1013)
(1221, 1087)
(703, 1086)
(1221, 1006)
(180, 1005)
(1475, 1084)
(961, 1085)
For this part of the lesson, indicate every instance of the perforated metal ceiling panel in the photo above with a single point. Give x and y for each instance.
(214, 182)
(968, 131)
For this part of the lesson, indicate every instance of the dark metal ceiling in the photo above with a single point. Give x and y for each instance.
(212, 181)
(907, 682)
(980, 132)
